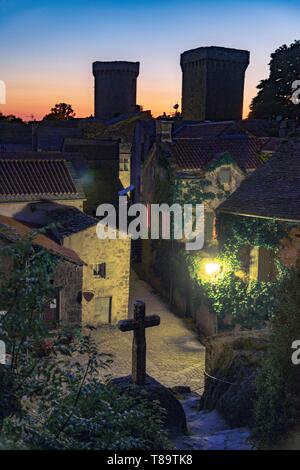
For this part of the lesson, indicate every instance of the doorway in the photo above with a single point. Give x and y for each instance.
(51, 314)
(103, 309)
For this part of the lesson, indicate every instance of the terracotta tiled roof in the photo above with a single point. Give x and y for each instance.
(206, 130)
(30, 177)
(70, 220)
(270, 144)
(273, 190)
(192, 154)
(34, 155)
(11, 229)
(260, 127)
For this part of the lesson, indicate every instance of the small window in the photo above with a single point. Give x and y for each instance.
(225, 176)
(99, 270)
(124, 164)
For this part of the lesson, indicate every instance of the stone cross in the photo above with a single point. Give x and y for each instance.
(138, 324)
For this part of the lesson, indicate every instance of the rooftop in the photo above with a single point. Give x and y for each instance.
(204, 130)
(34, 175)
(260, 127)
(105, 149)
(70, 220)
(50, 135)
(215, 53)
(12, 230)
(195, 154)
(273, 190)
(15, 133)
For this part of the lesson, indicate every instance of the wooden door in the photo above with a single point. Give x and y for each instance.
(103, 309)
(51, 315)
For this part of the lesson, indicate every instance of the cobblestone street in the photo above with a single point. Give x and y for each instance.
(175, 356)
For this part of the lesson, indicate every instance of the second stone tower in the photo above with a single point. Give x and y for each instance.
(213, 83)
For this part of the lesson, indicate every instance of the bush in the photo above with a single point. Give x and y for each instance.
(103, 419)
(278, 383)
(50, 397)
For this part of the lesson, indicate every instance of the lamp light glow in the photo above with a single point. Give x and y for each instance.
(212, 268)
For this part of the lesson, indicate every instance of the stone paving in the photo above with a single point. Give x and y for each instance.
(175, 355)
(209, 431)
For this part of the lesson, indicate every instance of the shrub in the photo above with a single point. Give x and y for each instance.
(278, 382)
(50, 397)
(103, 418)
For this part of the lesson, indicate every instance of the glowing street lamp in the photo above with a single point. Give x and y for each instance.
(212, 268)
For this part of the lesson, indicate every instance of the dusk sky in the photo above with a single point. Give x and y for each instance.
(47, 47)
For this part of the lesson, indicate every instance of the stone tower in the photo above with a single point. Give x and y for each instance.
(213, 83)
(115, 88)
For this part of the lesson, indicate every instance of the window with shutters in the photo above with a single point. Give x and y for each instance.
(267, 265)
(262, 266)
(99, 270)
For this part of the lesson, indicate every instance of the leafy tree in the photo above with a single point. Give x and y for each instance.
(10, 118)
(275, 92)
(50, 394)
(60, 112)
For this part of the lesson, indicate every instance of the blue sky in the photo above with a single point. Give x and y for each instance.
(47, 48)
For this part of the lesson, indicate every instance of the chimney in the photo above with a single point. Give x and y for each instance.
(164, 130)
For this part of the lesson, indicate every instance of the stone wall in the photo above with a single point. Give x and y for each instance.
(290, 248)
(232, 361)
(115, 88)
(206, 321)
(116, 255)
(68, 278)
(221, 348)
(213, 83)
(35, 211)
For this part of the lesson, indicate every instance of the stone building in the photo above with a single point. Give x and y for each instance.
(272, 192)
(223, 152)
(15, 136)
(103, 167)
(66, 306)
(32, 183)
(208, 161)
(213, 83)
(106, 269)
(115, 88)
(41, 189)
(143, 139)
(49, 136)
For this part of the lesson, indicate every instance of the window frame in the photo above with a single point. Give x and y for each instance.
(227, 170)
(97, 267)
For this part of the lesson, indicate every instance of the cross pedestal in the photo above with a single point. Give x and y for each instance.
(138, 325)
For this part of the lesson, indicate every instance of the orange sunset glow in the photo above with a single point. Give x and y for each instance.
(43, 65)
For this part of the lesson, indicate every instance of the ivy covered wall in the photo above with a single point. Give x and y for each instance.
(230, 294)
(250, 303)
